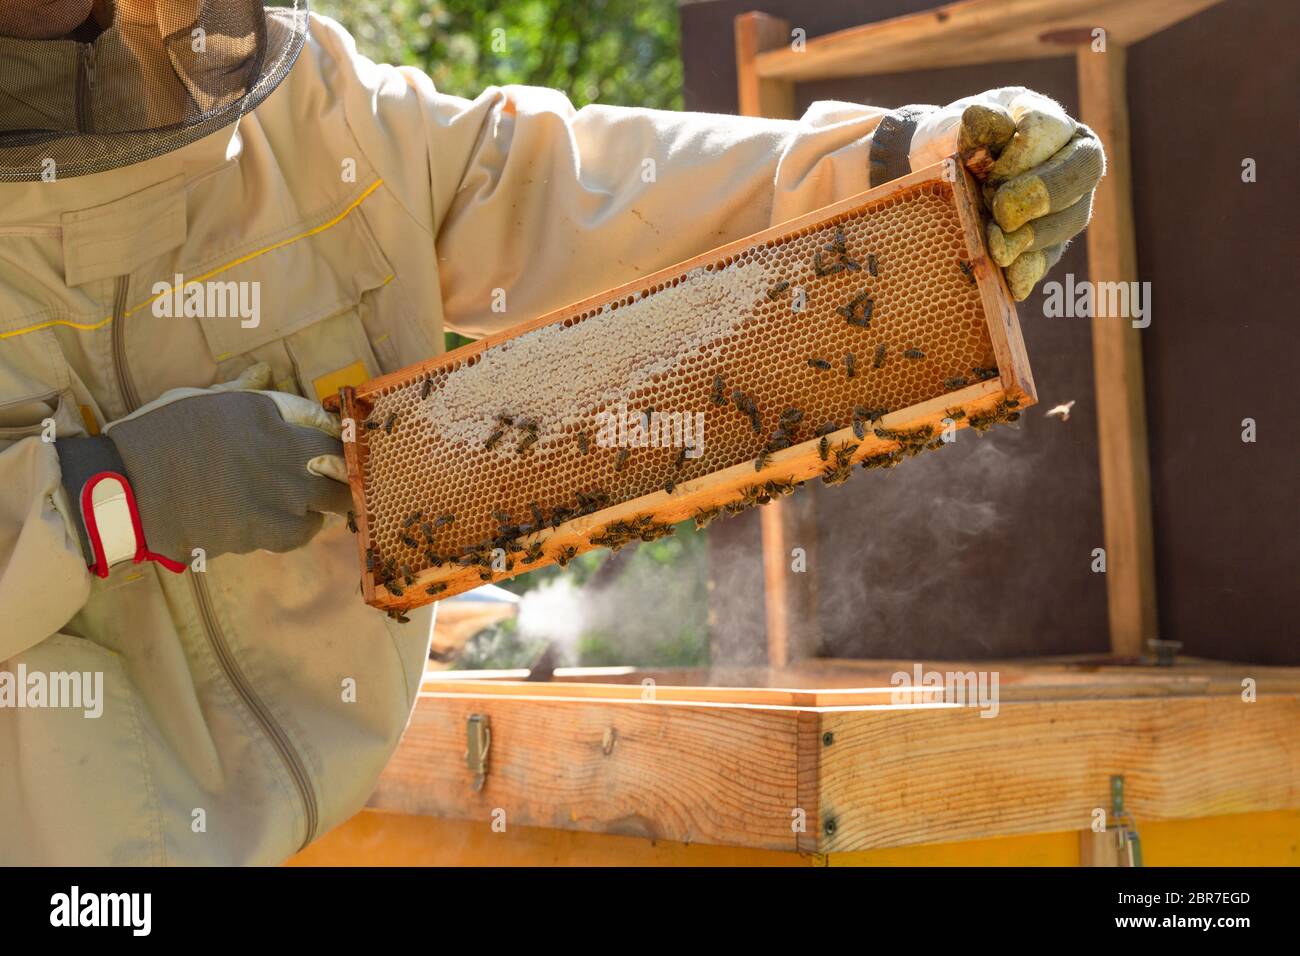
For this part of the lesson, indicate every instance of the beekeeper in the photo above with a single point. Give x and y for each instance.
(214, 215)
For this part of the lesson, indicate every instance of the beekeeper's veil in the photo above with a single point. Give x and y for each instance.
(160, 74)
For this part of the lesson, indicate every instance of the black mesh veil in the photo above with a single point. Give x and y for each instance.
(141, 78)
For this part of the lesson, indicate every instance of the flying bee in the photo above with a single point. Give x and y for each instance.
(873, 266)
(824, 448)
(621, 459)
(409, 541)
(437, 587)
(444, 520)
(966, 270)
(425, 388)
(389, 422)
(878, 359)
(412, 519)
(494, 439)
(774, 293)
(352, 522)
(584, 443)
(820, 364)
(763, 460)
(954, 383)
(719, 396)
(850, 365)
(913, 354)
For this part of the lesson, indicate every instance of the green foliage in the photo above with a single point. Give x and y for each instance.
(618, 52)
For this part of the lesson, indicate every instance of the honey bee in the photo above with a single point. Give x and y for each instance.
(559, 515)
(372, 559)
(437, 587)
(820, 364)
(534, 553)
(826, 428)
(407, 576)
(954, 383)
(409, 541)
(494, 439)
(879, 359)
(704, 516)
(775, 292)
(719, 396)
(838, 245)
(956, 414)
(984, 373)
(501, 517)
(565, 555)
(777, 489)
(966, 270)
(670, 486)
(763, 460)
(539, 516)
(394, 590)
(680, 459)
(434, 560)
(427, 530)
(529, 439)
(370, 425)
(780, 439)
(859, 428)
(584, 443)
(398, 616)
(352, 522)
(791, 416)
(389, 422)
(824, 448)
(425, 388)
(444, 520)
(873, 266)
(850, 264)
(411, 519)
(913, 354)
(505, 419)
(850, 363)
(621, 459)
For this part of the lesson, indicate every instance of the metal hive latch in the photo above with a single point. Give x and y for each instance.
(478, 740)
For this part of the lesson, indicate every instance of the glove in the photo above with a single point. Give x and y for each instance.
(1040, 169)
(230, 469)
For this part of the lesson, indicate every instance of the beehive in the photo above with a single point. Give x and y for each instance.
(499, 457)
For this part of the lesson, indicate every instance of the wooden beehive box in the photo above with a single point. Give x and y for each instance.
(875, 318)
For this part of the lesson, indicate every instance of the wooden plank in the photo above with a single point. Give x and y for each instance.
(932, 774)
(1117, 366)
(724, 774)
(772, 97)
(378, 838)
(973, 31)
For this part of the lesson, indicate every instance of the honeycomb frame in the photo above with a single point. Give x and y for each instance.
(918, 244)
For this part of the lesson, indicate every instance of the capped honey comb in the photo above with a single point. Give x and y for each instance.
(878, 320)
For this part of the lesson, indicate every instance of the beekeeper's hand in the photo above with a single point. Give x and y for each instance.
(228, 469)
(1040, 169)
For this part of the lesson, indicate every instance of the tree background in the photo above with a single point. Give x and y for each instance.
(647, 605)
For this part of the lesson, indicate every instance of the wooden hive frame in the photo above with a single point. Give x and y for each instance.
(990, 400)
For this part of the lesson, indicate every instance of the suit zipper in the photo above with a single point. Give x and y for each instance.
(85, 88)
(207, 614)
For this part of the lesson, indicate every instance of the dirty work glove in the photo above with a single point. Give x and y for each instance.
(230, 469)
(1040, 169)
